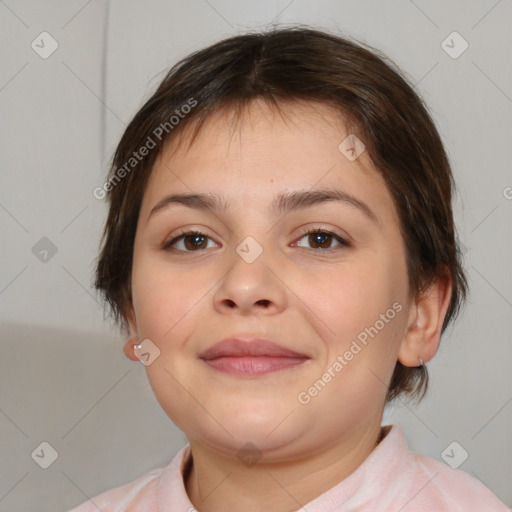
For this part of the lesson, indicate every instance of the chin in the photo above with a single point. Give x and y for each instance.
(269, 434)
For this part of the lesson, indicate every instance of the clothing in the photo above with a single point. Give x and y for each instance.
(390, 479)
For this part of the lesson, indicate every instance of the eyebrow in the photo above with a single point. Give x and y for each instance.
(282, 204)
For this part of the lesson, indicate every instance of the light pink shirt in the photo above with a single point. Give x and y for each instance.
(391, 479)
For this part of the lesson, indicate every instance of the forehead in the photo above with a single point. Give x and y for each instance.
(262, 151)
(228, 129)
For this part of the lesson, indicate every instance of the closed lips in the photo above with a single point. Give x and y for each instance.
(255, 347)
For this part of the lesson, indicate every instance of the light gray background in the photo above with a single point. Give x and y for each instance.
(63, 376)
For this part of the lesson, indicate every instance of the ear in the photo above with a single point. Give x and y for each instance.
(132, 338)
(425, 323)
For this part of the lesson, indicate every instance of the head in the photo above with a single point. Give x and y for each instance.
(249, 119)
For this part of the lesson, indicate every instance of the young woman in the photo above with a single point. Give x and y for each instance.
(281, 253)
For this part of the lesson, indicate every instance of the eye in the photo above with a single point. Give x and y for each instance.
(323, 238)
(191, 240)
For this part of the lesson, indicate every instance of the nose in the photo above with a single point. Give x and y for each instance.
(251, 288)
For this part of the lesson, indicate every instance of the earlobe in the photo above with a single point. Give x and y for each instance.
(129, 345)
(426, 318)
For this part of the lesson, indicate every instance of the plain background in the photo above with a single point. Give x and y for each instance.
(63, 376)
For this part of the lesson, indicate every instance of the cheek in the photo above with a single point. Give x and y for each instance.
(362, 303)
(162, 295)
(351, 296)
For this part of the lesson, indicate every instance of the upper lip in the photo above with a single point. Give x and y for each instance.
(240, 347)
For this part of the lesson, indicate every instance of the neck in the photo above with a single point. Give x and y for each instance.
(217, 483)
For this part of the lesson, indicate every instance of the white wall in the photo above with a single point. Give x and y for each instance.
(51, 137)
(62, 116)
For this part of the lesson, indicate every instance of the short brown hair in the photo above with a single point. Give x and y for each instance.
(295, 64)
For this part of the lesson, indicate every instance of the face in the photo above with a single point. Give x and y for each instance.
(338, 297)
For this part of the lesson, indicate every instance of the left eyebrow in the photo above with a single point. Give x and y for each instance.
(283, 203)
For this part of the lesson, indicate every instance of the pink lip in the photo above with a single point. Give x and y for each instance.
(250, 357)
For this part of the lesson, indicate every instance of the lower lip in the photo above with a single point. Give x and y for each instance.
(253, 366)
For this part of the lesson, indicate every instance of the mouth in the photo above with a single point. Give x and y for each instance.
(251, 357)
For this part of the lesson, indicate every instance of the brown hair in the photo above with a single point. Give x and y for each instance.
(286, 64)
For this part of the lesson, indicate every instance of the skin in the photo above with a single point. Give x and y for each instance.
(305, 297)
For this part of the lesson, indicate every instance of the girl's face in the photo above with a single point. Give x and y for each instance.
(256, 272)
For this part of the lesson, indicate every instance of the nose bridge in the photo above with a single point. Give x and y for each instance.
(251, 230)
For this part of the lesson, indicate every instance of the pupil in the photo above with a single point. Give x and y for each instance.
(318, 238)
(195, 240)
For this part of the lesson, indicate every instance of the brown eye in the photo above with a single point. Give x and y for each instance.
(190, 241)
(321, 239)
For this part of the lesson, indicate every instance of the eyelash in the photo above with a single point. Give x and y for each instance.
(167, 246)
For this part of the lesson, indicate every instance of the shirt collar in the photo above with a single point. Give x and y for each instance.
(388, 459)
